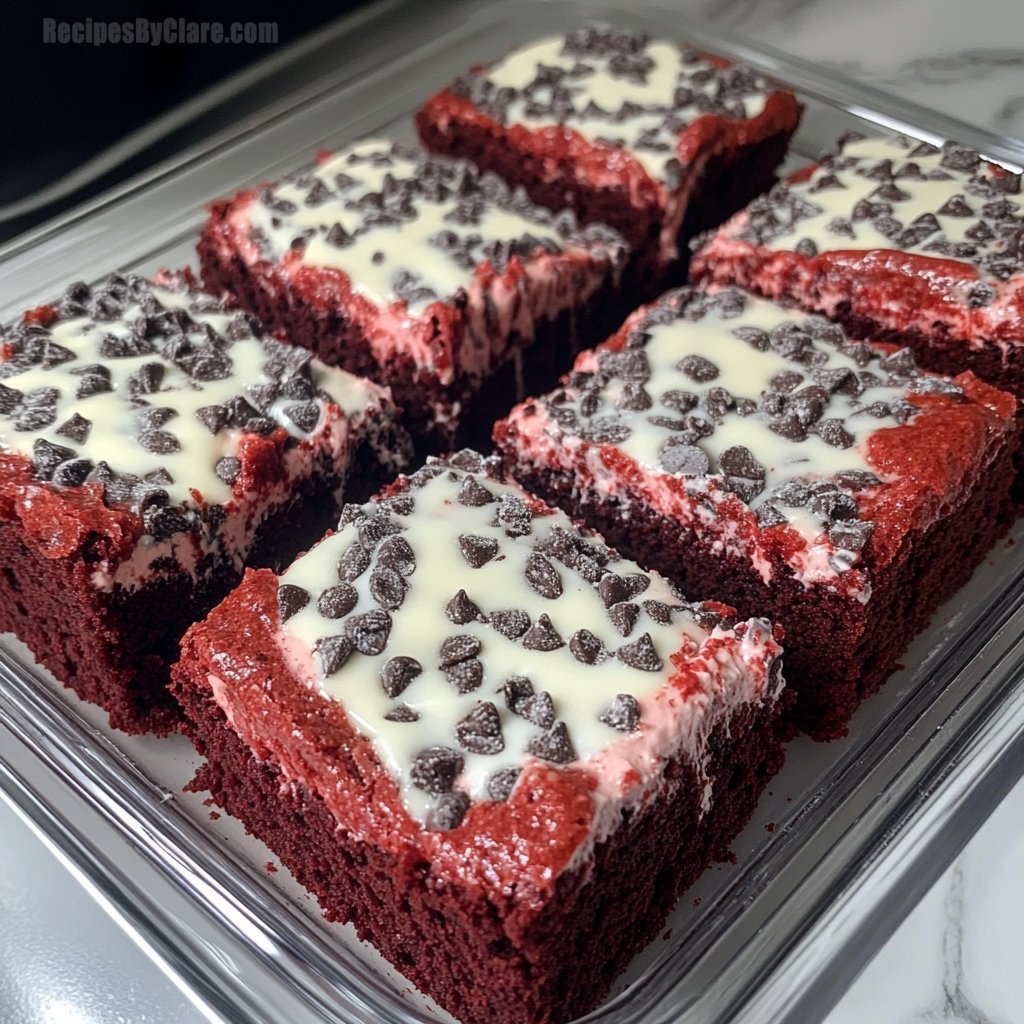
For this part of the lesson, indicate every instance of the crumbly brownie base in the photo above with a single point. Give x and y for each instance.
(837, 651)
(482, 961)
(115, 650)
(471, 407)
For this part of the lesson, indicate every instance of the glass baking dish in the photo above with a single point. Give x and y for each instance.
(849, 835)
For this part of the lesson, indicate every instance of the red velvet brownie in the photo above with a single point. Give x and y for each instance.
(458, 293)
(756, 454)
(653, 138)
(151, 444)
(900, 241)
(475, 732)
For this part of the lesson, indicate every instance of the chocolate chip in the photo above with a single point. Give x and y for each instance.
(587, 648)
(543, 576)
(373, 529)
(659, 611)
(227, 469)
(76, 428)
(353, 563)
(959, 158)
(160, 442)
(402, 713)
(474, 494)
(807, 248)
(395, 553)
(956, 206)
(840, 226)
(514, 516)
(334, 651)
(291, 599)
(856, 479)
(624, 714)
(305, 416)
(630, 365)
(682, 401)
(553, 745)
(518, 690)
(793, 494)
(768, 515)
(400, 505)
(501, 784)
(698, 368)
(679, 457)
(613, 589)
(832, 505)
(480, 731)
(369, 631)
(337, 601)
(397, 673)
(634, 398)
(387, 588)
(832, 380)
(465, 676)
(605, 430)
(448, 812)
(477, 550)
(640, 655)
(851, 535)
(789, 427)
(458, 648)
(834, 433)
(738, 462)
(461, 610)
(753, 336)
(624, 615)
(542, 636)
(540, 710)
(435, 769)
(213, 417)
(146, 379)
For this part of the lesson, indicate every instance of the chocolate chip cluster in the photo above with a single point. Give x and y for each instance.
(413, 179)
(178, 336)
(994, 241)
(384, 562)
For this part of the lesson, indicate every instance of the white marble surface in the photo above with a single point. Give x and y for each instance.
(957, 957)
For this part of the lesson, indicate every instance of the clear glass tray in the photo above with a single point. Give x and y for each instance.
(850, 834)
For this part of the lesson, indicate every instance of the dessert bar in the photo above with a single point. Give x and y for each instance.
(475, 732)
(417, 272)
(759, 456)
(151, 443)
(900, 241)
(653, 138)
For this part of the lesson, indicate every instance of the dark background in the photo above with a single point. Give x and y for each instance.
(62, 104)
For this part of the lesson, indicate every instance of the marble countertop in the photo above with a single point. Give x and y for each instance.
(956, 957)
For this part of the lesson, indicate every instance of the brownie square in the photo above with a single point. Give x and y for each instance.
(417, 272)
(153, 443)
(651, 137)
(475, 732)
(755, 454)
(900, 241)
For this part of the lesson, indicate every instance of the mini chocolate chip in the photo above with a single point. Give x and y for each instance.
(72, 473)
(510, 622)
(785, 381)
(334, 651)
(480, 731)
(514, 516)
(659, 611)
(291, 599)
(465, 676)
(633, 398)
(458, 648)
(956, 206)
(395, 553)
(624, 616)
(146, 379)
(337, 601)
(834, 433)
(461, 610)
(624, 714)
(553, 745)
(160, 442)
(587, 648)
(539, 709)
(448, 812)
(477, 550)
(698, 368)
(856, 479)
(387, 588)
(807, 248)
(826, 182)
(373, 529)
(613, 589)
(834, 505)
(768, 515)
(832, 380)
(851, 535)
(501, 784)
(789, 427)
(435, 769)
(681, 401)
(517, 690)
(227, 469)
(397, 673)
(543, 576)
(753, 336)
(402, 713)
(542, 636)
(469, 460)
(640, 655)
(474, 494)
(369, 631)
(213, 417)
(738, 462)
(353, 563)
(677, 456)
(76, 428)
(305, 416)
